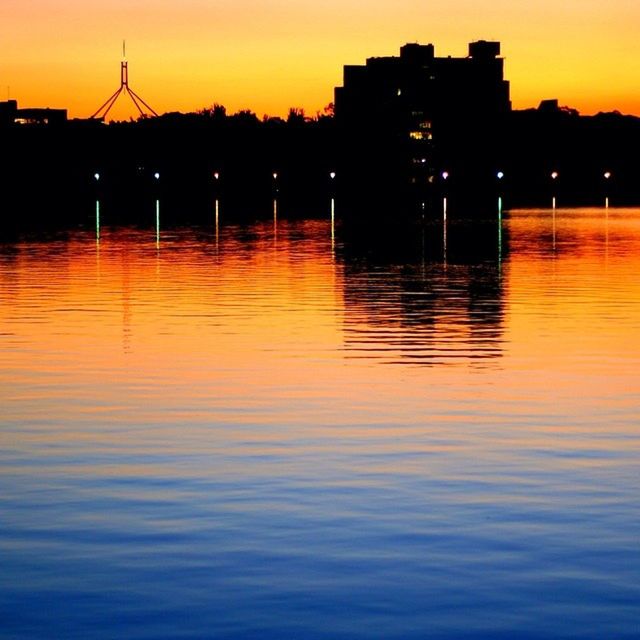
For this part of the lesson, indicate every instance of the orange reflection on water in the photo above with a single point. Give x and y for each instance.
(184, 319)
(572, 321)
(571, 274)
(247, 338)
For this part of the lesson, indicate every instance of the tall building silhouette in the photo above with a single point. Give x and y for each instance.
(417, 114)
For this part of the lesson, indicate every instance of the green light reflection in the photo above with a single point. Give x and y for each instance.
(98, 221)
(158, 224)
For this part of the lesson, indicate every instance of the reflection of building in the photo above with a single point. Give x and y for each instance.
(440, 113)
(10, 114)
(434, 297)
(433, 315)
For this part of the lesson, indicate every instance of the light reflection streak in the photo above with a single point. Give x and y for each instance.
(499, 233)
(98, 221)
(423, 263)
(98, 242)
(444, 230)
(606, 234)
(333, 227)
(275, 222)
(157, 224)
(217, 224)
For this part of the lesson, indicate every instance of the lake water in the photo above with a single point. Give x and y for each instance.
(296, 429)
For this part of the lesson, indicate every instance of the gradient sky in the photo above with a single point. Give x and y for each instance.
(269, 55)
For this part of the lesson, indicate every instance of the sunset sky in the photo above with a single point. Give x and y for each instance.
(269, 55)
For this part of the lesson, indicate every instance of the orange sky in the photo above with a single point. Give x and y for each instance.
(269, 55)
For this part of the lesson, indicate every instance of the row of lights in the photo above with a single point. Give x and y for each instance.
(554, 175)
(606, 175)
(96, 176)
(445, 175)
(216, 175)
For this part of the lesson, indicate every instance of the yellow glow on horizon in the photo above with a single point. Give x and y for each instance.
(275, 54)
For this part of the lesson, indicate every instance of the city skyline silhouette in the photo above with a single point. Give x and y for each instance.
(269, 57)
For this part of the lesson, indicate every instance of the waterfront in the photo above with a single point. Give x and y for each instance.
(282, 429)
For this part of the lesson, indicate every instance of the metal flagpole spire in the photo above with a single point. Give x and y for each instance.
(103, 111)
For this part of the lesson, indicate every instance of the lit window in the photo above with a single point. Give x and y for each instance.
(420, 135)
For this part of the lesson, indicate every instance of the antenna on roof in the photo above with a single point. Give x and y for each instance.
(103, 111)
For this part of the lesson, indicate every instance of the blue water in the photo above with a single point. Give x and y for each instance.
(284, 430)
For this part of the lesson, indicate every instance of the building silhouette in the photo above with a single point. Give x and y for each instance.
(406, 131)
(419, 116)
(10, 114)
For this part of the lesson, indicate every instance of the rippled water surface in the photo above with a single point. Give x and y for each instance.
(294, 429)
